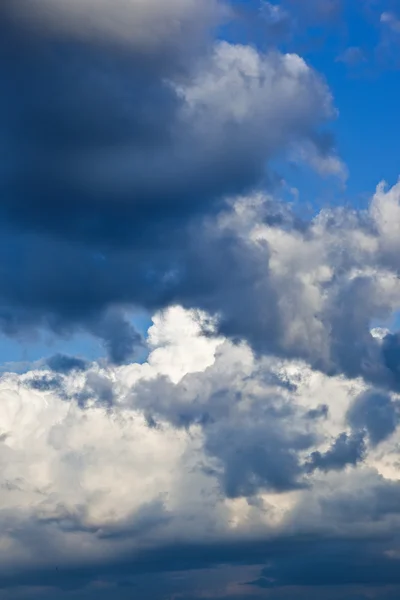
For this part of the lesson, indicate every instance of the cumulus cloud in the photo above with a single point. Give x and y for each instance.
(207, 457)
(277, 19)
(88, 122)
(263, 425)
(345, 450)
(62, 363)
(375, 412)
(148, 25)
(323, 282)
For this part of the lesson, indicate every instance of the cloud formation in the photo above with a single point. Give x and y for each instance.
(90, 114)
(195, 466)
(254, 452)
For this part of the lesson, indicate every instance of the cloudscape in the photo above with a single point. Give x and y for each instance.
(200, 300)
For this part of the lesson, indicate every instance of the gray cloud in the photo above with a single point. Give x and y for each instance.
(257, 457)
(97, 388)
(345, 450)
(46, 383)
(136, 151)
(321, 412)
(62, 363)
(231, 444)
(91, 115)
(375, 412)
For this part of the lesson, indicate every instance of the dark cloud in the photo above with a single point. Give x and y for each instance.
(375, 412)
(291, 562)
(117, 146)
(150, 516)
(257, 457)
(345, 450)
(64, 364)
(369, 499)
(119, 336)
(391, 353)
(321, 412)
(129, 135)
(89, 232)
(250, 435)
(331, 564)
(46, 383)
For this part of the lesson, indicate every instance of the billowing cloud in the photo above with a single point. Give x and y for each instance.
(255, 449)
(376, 413)
(202, 462)
(102, 97)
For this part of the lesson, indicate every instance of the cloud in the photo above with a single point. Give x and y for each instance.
(377, 413)
(256, 457)
(324, 282)
(330, 565)
(391, 352)
(106, 495)
(322, 411)
(352, 56)
(91, 115)
(119, 336)
(62, 363)
(306, 272)
(258, 441)
(46, 383)
(345, 450)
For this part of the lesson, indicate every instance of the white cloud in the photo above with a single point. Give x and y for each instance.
(170, 336)
(206, 442)
(277, 97)
(95, 483)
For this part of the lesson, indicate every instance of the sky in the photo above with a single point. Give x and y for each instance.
(199, 300)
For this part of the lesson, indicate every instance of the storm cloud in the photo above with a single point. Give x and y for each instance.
(90, 113)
